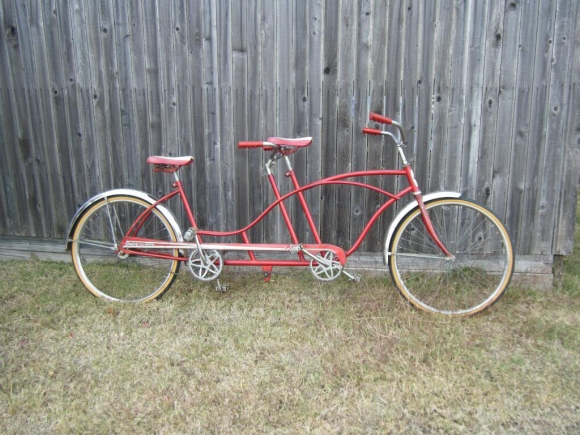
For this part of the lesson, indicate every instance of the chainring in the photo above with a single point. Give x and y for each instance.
(325, 266)
(205, 267)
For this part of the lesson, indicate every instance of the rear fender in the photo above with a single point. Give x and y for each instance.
(118, 192)
(406, 210)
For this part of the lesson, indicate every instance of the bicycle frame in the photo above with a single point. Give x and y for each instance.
(132, 245)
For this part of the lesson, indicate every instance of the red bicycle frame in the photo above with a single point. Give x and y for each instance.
(133, 245)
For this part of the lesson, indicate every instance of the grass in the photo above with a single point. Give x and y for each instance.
(289, 356)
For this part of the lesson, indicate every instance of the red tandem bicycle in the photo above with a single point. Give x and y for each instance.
(445, 253)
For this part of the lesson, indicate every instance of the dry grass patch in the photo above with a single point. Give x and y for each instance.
(290, 356)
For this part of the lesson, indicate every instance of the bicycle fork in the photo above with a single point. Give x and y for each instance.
(419, 198)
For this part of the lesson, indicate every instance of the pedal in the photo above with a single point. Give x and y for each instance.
(352, 276)
(219, 287)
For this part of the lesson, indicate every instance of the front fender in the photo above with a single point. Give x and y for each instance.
(407, 209)
(117, 192)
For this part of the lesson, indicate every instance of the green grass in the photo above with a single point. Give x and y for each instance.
(289, 356)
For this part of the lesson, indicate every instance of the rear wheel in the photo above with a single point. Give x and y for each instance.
(104, 270)
(465, 284)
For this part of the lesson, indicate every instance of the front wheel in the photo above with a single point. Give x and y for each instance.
(108, 273)
(465, 284)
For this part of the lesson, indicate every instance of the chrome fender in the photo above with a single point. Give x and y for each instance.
(407, 209)
(116, 192)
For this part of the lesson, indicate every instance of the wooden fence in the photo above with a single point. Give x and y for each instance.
(487, 89)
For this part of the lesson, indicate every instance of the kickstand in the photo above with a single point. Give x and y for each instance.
(267, 273)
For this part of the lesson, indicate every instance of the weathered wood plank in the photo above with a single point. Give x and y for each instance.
(345, 111)
(37, 70)
(455, 143)
(210, 110)
(313, 170)
(151, 94)
(507, 97)
(224, 147)
(31, 215)
(375, 103)
(441, 97)
(254, 169)
(538, 117)
(136, 93)
(362, 49)
(474, 93)
(410, 16)
(565, 110)
(570, 170)
(422, 123)
(521, 122)
(60, 149)
(115, 157)
(239, 110)
(269, 109)
(84, 123)
(198, 35)
(179, 98)
(13, 184)
(166, 30)
(125, 124)
(392, 98)
(7, 213)
(285, 70)
(98, 92)
(489, 113)
(550, 182)
(564, 243)
(300, 104)
(329, 210)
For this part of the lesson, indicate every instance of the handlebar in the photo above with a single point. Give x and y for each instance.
(266, 146)
(384, 120)
(250, 144)
(367, 130)
(380, 118)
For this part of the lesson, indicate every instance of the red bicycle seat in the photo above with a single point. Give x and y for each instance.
(169, 164)
(298, 142)
(290, 146)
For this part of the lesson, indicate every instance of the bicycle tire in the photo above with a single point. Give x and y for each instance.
(467, 284)
(113, 276)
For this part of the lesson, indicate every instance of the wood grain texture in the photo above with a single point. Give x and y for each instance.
(487, 90)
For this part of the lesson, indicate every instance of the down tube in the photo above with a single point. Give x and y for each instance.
(374, 218)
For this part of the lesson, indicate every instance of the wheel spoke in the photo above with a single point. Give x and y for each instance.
(465, 284)
(121, 277)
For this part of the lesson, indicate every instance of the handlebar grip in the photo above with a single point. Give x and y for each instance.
(380, 118)
(367, 130)
(251, 144)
